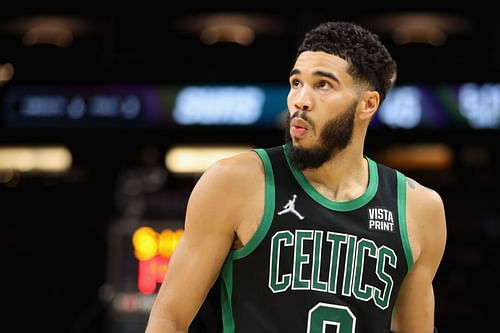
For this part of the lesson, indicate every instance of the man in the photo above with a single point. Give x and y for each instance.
(312, 236)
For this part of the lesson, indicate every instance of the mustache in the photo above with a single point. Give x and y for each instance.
(302, 115)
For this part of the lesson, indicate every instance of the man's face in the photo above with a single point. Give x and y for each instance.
(322, 107)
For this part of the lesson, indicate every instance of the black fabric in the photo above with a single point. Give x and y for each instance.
(208, 319)
(294, 298)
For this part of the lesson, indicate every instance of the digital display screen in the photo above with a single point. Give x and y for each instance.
(467, 105)
(138, 259)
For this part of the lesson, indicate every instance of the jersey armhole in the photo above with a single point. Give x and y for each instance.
(403, 230)
(267, 216)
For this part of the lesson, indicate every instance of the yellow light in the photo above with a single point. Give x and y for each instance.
(193, 160)
(168, 242)
(418, 156)
(37, 159)
(145, 241)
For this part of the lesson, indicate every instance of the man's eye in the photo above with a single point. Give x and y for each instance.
(324, 84)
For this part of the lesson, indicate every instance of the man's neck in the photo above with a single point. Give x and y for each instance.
(344, 177)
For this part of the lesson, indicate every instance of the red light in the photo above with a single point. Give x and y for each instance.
(146, 280)
(152, 270)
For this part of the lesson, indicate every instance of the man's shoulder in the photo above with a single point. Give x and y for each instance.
(244, 161)
(423, 194)
(247, 161)
(237, 168)
(415, 189)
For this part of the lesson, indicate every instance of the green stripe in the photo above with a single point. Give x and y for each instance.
(267, 217)
(257, 238)
(226, 296)
(402, 219)
(340, 206)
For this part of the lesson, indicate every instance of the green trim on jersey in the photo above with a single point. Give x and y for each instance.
(226, 296)
(257, 238)
(267, 217)
(402, 219)
(340, 206)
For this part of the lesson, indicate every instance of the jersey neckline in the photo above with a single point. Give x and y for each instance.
(342, 206)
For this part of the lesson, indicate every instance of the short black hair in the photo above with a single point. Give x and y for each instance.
(369, 60)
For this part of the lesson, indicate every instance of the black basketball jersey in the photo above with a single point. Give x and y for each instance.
(315, 265)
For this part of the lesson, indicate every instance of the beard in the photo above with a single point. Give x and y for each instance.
(334, 137)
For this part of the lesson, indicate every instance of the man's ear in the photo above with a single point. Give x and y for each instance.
(369, 104)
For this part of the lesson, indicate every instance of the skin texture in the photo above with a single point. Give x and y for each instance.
(227, 203)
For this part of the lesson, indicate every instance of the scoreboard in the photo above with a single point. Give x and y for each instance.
(138, 256)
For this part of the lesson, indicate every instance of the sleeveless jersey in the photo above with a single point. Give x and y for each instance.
(315, 265)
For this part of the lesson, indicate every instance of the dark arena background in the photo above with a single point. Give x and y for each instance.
(109, 114)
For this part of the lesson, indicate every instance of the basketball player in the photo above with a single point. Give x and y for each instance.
(312, 236)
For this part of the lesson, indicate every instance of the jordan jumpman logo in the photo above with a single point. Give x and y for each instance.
(290, 208)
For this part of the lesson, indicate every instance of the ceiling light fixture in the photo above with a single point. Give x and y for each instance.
(51, 35)
(236, 28)
(232, 33)
(6, 72)
(426, 28)
(49, 29)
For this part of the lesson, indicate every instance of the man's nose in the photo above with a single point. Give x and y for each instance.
(303, 100)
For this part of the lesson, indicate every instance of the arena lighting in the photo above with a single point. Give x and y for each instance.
(403, 107)
(418, 156)
(53, 35)
(153, 251)
(219, 105)
(427, 28)
(239, 28)
(49, 29)
(195, 160)
(418, 33)
(167, 242)
(6, 72)
(47, 159)
(231, 33)
(145, 241)
(480, 104)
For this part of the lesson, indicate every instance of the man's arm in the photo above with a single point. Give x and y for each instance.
(414, 310)
(212, 216)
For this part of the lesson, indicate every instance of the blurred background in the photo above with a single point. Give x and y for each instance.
(108, 115)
